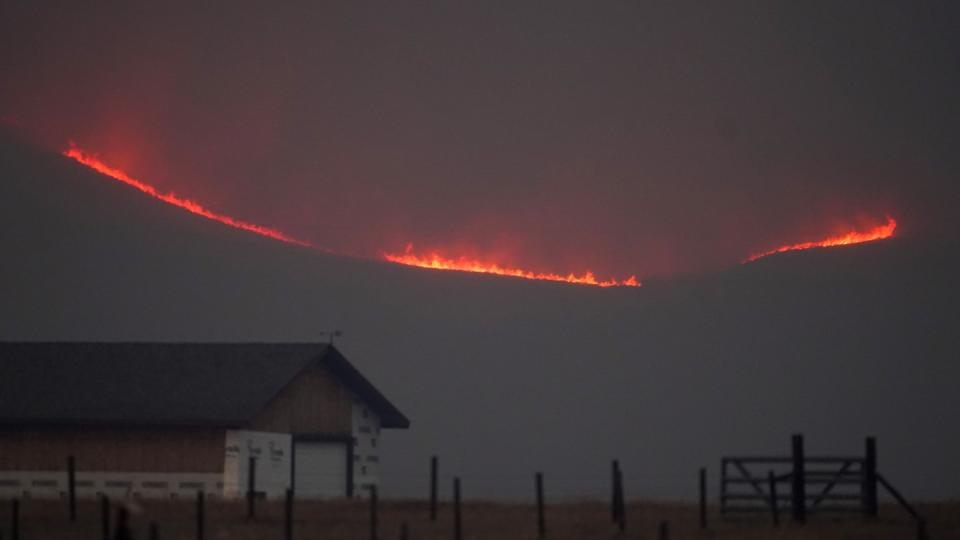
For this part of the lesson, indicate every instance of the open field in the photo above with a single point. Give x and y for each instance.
(481, 520)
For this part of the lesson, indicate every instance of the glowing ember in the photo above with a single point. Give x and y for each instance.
(188, 205)
(853, 237)
(463, 264)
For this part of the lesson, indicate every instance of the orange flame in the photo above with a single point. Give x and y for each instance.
(439, 262)
(879, 232)
(463, 264)
(94, 163)
(433, 261)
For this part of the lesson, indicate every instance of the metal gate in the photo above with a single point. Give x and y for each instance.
(800, 483)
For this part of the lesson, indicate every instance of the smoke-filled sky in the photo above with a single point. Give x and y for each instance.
(622, 137)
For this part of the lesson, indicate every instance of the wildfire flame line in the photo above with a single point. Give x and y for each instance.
(438, 262)
(434, 261)
(94, 163)
(879, 232)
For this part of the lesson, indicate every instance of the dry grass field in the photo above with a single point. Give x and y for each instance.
(481, 521)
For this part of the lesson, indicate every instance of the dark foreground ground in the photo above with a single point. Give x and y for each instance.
(351, 520)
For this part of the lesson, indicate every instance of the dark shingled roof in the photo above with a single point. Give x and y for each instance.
(163, 384)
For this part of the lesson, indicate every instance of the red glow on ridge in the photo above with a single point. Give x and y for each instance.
(94, 163)
(438, 262)
(432, 261)
(879, 232)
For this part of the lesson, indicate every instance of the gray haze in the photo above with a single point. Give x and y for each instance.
(502, 377)
(625, 137)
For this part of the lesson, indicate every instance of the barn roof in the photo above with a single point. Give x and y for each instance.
(169, 384)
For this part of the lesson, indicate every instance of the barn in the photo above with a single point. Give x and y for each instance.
(169, 419)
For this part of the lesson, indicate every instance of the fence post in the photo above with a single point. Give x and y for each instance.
(105, 516)
(614, 504)
(251, 487)
(798, 481)
(922, 529)
(122, 531)
(457, 523)
(404, 531)
(703, 497)
(72, 487)
(541, 521)
(664, 532)
(774, 503)
(373, 512)
(433, 488)
(15, 519)
(869, 488)
(723, 486)
(288, 516)
(201, 517)
(154, 533)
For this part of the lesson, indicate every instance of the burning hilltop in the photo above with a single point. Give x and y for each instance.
(431, 261)
(437, 261)
(90, 160)
(880, 232)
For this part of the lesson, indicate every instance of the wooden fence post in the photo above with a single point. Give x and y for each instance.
(154, 533)
(404, 531)
(201, 515)
(105, 516)
(457, 523)
(774, 503)
(664, 532)
(433, 488)
(288, 516)
(703, 497)
(798, 481)
(251, 488)
(15, 519)
(722, 485)
(541, 520)
(72, 487)
(869, 488)
(122, 531)
(614, 503)
(373, 512)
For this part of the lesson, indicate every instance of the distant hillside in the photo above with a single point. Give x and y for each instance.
(502, 377)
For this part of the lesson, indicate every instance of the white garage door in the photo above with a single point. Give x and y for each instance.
(320, 469)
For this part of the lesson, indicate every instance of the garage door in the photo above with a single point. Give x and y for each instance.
(320, 469)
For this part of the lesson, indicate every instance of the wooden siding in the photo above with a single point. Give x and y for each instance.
(122, 450)
(315, 403)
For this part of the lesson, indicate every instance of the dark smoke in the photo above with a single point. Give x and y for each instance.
(650, 139)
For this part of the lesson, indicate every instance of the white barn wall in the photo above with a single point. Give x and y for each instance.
(273, 466)
(366, 451)
(116, 485)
